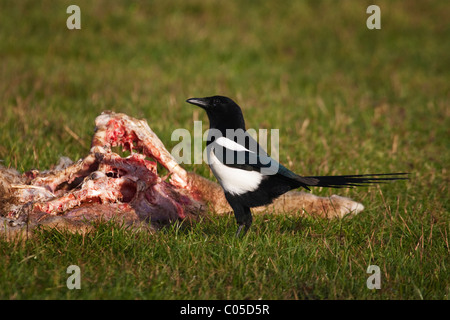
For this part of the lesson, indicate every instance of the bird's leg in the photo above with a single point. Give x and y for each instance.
(242, 214)
(238, 232)
(244, 220)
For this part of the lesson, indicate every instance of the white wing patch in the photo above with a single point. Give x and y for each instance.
(230, 144)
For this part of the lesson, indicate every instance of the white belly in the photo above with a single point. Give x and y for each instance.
(233, 180)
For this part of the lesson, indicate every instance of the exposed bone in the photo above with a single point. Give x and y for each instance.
(133, 134)
(104, 185)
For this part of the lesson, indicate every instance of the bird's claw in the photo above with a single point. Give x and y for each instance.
(239, 230)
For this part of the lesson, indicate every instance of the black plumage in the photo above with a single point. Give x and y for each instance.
(248, 175)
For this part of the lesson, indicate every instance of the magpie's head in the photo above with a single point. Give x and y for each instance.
(223, 113)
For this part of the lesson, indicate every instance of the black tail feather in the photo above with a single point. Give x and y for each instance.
(349, 181)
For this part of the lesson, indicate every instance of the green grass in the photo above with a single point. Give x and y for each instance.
(345, 99)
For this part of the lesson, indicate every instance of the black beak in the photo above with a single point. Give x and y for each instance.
(202, 103)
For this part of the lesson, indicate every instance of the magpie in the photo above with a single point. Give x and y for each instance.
(248, 175)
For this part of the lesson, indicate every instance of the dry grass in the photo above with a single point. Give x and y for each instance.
(345, 99)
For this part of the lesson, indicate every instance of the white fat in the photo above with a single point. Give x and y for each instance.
(95, 193)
